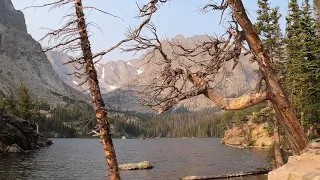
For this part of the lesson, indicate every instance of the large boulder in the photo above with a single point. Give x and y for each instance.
(18, 135)
(303, 167)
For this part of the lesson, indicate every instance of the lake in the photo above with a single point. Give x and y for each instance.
(83, 159)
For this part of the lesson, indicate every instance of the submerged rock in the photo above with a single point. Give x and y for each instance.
(136, 166)
(18, 135)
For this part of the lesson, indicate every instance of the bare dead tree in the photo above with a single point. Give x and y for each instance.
(73, 37)
(178, 81)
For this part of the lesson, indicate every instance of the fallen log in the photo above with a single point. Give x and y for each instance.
(227, 176)
(136, 166)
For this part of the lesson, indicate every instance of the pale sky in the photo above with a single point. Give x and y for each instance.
(175, 17)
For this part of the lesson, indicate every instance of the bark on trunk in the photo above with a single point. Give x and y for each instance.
(277, 95)
(94, 89)
(277, 151)
(238, 103)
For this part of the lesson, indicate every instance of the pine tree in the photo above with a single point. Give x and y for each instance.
(310, 73)
(25, 103)
(317, 14)
(293, 45)
(270, 32)
(303, 72)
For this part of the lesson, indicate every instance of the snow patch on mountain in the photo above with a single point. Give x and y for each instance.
(139, 71)
(75, 82)
(113, 87)
(103, 73)
(130, 64)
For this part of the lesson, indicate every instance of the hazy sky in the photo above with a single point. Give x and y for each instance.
(175, 17)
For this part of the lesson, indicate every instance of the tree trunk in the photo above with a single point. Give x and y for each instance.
(276, 145)
(277, 95)
(94, 89)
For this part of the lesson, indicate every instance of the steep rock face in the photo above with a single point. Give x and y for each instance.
(21, 60)
(10, 17)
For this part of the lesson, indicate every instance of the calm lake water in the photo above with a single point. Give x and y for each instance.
(83, 159)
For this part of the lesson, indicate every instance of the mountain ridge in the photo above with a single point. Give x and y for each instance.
(116, 78)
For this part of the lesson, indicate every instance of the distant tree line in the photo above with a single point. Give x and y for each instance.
(209, 122)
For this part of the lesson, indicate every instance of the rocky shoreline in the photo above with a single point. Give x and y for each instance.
(249, 135)
(19, 136)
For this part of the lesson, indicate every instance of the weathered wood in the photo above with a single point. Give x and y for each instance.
(136, 166)
(276, 145)
(227, 176)
(238, 103)
(276, 93)
(99, 106)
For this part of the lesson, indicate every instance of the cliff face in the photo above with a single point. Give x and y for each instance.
(21, 60)
(10, 17)
(18, 135)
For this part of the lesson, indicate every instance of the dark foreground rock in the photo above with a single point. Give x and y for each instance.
(18, 135)
(136, 166)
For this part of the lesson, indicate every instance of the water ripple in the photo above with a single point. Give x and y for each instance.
(83, 159)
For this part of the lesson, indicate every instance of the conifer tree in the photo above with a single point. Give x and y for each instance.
(269, 29)
(25, 103)
(317, 14)
(293, 45)
(302, 76)
(310, 74)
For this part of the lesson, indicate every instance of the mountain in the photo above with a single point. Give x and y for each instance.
(21, 61)
(111, 75)
(117, 78)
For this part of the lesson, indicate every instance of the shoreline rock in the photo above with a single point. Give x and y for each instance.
(303, 167)
(18, 135)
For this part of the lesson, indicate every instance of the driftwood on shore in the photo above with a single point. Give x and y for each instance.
(136, 166)
(226, 176)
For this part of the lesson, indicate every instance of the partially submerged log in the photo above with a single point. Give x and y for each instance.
(136, 166)
(226, 176)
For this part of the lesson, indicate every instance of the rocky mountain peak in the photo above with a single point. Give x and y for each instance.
(10, 17)
(22, 62)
